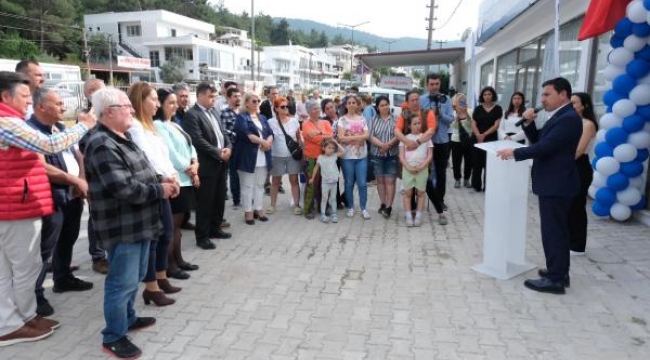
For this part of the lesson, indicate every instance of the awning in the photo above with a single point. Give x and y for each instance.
(412, 58)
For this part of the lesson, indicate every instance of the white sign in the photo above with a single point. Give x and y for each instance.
(396, 82)
(133, 62)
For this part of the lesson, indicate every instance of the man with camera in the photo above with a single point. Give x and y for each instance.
(441, 105)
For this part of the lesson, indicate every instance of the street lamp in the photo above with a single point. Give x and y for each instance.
(352, 27)
(390, 42)
(252, 40)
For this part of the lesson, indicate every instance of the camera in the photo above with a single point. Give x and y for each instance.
(438, 98)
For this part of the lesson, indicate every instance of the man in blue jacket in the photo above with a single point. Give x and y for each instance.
(555, 179)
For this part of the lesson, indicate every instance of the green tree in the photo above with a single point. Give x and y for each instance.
(12, 46)
(171, 71)
(339, 40)
(280, 33)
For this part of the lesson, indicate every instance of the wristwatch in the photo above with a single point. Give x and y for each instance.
(418, 141)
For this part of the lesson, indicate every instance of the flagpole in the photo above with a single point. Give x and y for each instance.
(556, 40)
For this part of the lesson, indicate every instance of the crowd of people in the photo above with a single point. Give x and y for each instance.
(153, 159)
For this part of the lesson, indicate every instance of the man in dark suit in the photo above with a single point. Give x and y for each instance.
(266, 107)
(555, 179)
(213, 150)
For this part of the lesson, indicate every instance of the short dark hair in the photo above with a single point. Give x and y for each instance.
(180, 87)
(228, 84)
(354, 88)
(559, 84)
(409, 93)
(381, 98)
(433, 76)
(490, 89)
(204, 87)
(9, 80)
(231, 91)
(24, 64)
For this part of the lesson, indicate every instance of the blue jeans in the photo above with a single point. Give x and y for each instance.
(127, 267)
(355, 171)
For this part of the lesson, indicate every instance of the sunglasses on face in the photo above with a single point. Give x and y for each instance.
(283, 107)
(255, 101)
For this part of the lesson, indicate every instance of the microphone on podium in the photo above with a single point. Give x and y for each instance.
(537, 109)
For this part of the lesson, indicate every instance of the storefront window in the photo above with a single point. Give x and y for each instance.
(487, 74)
(600, 84)
(506, 74)
(570, 51)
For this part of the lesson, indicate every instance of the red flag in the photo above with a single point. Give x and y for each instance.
(602, 16)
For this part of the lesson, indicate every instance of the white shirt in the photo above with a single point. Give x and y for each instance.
(279, 142)
(215, 125)
(154, 148)
(507, 125)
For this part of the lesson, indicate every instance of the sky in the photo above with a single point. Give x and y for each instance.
(386, 18)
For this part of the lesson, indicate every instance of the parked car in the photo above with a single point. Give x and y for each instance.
(396, 97)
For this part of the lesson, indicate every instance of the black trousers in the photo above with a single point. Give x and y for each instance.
(461, 154)
(554, 218)
(210, 203)
(578, 210)
(62, 255)
(478, 166)
(440, 162)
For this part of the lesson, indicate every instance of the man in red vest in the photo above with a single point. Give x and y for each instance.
(26, 198)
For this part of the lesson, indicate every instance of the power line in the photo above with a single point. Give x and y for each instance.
(23, 17)
(451, 16)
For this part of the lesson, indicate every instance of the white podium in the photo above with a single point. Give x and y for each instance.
(506, 205)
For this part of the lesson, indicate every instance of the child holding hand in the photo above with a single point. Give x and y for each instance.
(326, 164)
(415, 170)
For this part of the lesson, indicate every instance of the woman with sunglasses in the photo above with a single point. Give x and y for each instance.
(252, 156)
(283, 163)
(183, 156)
(461, 144)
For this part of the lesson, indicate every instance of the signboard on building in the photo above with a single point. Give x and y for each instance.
(133, 62)
(396, 82)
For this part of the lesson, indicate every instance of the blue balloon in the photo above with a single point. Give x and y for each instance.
(623, 84)
(616, 136)
(638, 68)
(609, 109)
(603, 150)
(632, 168)
(624, 27)
(644, 112)
(643, 54)
(646, 4)
(611, 97)
(616, 41)
(600, 209)
(641, 29)
(633, 123)
(595, 160)
(640, 205)
(641, 155)
(618, 181)
(606, 197)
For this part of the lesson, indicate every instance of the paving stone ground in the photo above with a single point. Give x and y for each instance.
(298, 289)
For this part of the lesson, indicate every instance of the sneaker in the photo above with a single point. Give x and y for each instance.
(43, 307)
(365, 214)
(297, 210)
(324, 219)
(442, 220)
(577, 253)
(122, 348)
(409, 221)
(39, 322)
(142, 323)
(309, 216)
(24, 334)
(72, 284)
(100, 266)
(270, 209)
(350, 213)
(467, 184)
(334, 218)
(417, 221)
(457, 184)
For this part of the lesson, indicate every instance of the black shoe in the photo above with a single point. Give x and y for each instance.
(122, 349)
(544, 273)
(381, 209)
(444, 207)
(188, 226)
(43, 307)
(188, 267)
(545, 285)
(206, 245)
(142, 323)
(177, 274)
(387, 212)
(72, 284)
(221, 235)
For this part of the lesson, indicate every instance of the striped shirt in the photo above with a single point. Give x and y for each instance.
(16, 132)
(384, 131)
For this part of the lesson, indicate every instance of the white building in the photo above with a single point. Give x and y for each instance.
(296, 65)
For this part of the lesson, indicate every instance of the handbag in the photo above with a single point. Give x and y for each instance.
(294, 148)
(463, 134)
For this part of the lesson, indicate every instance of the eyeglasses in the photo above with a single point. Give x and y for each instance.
(255, 101)
(283, 107)
(121, 106)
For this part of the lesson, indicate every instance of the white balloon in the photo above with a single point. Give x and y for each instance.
(599, 180)
(592, 191)
(646, 127)
(634, 43)
(607, 166)
(620, 212)
(636, 12)
(600, 135)
(610, 120)
(629, 196)
(624, 108)
(640, 139)
(620, 57)
(625, 153)
(643, 80)
(637, 183)
(640, 95)
(611, 72)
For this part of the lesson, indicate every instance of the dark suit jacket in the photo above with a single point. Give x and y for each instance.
(553, 151)
(245, 151)
(197, 124)
(266, 109)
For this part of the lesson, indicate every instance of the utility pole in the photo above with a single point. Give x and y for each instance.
(253, 40)
(86, 51)
(390, 42)
(440, 42)
(430, 28)
(352, 27)
(110, 59)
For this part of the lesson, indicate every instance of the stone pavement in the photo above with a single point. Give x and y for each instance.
(298, 289)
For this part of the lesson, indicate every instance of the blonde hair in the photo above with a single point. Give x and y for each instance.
(247, 96)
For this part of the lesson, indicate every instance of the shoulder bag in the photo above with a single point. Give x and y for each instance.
(294, 148)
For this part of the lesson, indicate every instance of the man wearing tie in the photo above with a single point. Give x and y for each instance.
(213, 150)
(555, 179)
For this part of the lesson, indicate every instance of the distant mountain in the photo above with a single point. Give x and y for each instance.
(360, 37)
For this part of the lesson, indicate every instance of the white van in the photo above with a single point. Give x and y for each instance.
(396, 97)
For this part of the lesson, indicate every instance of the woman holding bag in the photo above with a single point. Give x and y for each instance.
(286, 131)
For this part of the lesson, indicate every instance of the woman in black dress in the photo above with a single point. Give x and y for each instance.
(486, 117)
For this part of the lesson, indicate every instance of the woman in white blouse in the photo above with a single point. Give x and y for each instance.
(507, 128)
